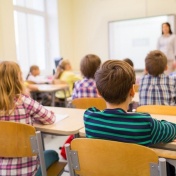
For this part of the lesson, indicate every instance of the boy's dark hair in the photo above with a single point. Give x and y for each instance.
(114, 80)
(155, 62)
(89, 65)
(129, 61)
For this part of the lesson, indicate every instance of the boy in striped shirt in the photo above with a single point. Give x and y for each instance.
(115, 83)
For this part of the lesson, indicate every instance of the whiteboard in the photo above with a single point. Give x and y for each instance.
(135, 38)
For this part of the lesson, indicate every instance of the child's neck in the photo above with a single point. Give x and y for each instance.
(123, 106)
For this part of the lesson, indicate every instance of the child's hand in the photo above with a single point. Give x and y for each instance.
(174, 140)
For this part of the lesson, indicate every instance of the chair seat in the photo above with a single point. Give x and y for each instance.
(56, 169)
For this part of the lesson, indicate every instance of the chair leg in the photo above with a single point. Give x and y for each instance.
(41, 154)
(162, 167)
(71, 170)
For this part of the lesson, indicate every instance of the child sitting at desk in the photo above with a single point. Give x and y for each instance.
(156, 87)
(34, 76)
(86, 87)
(15, 106)
(65, 75)
(115, 83)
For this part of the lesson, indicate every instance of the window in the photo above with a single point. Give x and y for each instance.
(33, 21)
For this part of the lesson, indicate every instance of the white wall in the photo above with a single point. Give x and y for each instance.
(83, 24)
(88, 20)
(65, 11)
(7, 32)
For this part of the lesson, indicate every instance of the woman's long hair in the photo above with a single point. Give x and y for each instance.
(11, 85)
(168, 24)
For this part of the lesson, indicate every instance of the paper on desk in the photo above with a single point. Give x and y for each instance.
(60, 117)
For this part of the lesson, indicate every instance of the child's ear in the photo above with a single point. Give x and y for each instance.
(166, 68)
(99, 95)
(145, 71)
(132, 91)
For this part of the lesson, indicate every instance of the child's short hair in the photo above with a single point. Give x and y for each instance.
(155, 63)
(89, 65)
(114, 80)
(129, 61)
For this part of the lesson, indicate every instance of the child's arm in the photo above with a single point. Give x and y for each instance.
(163, 131)
(38, 112)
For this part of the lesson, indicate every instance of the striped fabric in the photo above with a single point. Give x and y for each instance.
(159, 90)
(85, 88)
(118, 125)
(26, 111)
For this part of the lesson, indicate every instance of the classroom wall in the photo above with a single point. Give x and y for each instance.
(88, 20)
(83, 24)
(7, 32)
(66, 35)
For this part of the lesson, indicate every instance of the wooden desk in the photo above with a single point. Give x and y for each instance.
(70, 125)
(52, 88)
(82, 132)
(168, 118)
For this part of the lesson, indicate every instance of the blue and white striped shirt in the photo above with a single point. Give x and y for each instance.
(160, 90)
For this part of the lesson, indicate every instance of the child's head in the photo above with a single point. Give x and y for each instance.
(11, 84)
(129, 61)
(89, 64)
(34, 70)
(156, 63)
(65, 65)
(114, 80)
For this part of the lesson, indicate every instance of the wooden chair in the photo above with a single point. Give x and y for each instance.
(97, 157)
(85, 103)
(21, 140)
(157, 109)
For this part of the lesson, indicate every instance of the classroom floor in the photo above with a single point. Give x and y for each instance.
(54, 142)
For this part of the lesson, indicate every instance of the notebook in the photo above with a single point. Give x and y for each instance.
(60, 117)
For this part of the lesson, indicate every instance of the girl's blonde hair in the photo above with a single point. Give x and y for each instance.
(61, 68)
(11, 85)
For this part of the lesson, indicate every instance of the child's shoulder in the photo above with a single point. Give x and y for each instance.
(85, 81)
(25, 98)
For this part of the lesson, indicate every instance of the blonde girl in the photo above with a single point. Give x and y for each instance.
(64, 74)
(17, 107)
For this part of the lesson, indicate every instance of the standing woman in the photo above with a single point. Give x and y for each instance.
(167, 44)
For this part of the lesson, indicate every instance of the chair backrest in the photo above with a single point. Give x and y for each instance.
(97, 157)
(21, 140)
(157, 109)
(85, 103)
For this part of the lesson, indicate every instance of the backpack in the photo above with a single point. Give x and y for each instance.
(68, 141)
